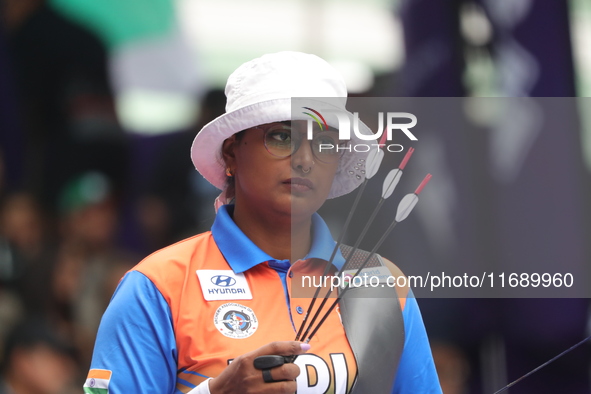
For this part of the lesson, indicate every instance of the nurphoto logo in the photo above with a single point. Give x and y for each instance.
(392, 122)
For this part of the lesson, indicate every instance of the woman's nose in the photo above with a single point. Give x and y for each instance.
(303, 158)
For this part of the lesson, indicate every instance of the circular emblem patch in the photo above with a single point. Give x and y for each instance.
(235, 320)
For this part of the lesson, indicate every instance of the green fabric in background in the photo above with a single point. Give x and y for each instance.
(119, 22)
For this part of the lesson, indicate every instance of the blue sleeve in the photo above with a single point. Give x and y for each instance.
(136, 339)
(416, 371)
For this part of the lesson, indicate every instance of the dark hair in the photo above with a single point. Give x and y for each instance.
(31, 333)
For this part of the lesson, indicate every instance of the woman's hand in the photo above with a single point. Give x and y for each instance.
(242, 377)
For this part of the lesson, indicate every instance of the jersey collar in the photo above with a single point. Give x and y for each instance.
(242, 254)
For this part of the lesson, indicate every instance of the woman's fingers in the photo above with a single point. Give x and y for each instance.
(287, 371)
(242, 376)
(283, 348)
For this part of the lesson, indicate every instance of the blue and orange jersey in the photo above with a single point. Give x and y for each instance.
(185, 312)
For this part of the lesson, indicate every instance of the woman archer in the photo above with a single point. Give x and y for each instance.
(192, 317)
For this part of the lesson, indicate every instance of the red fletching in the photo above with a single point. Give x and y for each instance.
(423, 184)
(406, 158)
(383, 139)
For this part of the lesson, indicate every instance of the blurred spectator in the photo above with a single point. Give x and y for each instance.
(452, 366)
(65, 111)
(89, 213)
(82, 287)
(22, 225)
(154, 216)
(26, 249)
(36, 360)
(89, 264)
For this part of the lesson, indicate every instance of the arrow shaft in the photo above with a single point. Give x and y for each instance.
(372, 253)
(332, 256)
(355, 247)
(543, 365)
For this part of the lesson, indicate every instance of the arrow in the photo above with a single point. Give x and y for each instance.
(543, 365)
(372, 164)
(387, 189)
(405, 206)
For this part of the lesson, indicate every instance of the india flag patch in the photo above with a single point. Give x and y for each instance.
(97, 381)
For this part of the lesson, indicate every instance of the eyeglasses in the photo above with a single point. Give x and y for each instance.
(281, 141)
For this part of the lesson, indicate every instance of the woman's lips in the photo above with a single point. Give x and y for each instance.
(299, 184)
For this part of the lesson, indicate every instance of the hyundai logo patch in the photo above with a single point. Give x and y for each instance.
(223, 285)
(223, 280)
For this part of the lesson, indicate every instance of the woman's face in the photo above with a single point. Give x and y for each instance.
(295, 185)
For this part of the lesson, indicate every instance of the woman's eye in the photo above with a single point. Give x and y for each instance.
(326, 139)
(284, 136)
(281, 136)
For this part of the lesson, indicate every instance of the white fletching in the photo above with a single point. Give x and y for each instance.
(406, 205)
(391, 182)
(373, 162)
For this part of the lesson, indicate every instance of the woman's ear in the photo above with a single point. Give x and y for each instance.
(228, 152)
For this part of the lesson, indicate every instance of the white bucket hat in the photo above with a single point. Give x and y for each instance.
(265, 90)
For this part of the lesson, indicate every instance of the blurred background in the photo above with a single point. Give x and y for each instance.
(100, 101)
